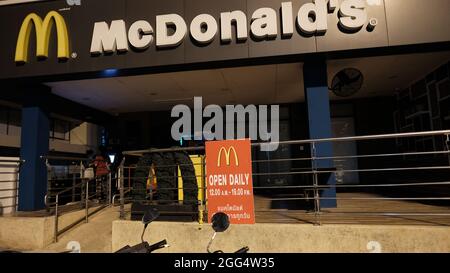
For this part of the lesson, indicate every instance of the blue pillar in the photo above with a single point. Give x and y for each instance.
(34, 144)
(319, 119)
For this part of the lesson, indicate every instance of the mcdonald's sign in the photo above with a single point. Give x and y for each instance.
(227, 153)
(43, 29)
(229, 180)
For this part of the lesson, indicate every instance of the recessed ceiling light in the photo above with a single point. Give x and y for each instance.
(110, 72)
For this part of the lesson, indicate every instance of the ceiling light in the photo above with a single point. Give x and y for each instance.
(110, 72)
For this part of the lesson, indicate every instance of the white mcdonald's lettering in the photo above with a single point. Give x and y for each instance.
(172, 29)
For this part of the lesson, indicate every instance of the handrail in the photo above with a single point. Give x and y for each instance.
(11, 183)
(165, 150)
(8, 197)
(307, 141)
(357, 138)
(113, 203)
(12, 161)
(48, 157)
(86, 182)
(8, 181)
(355, 171)
(437, 165)
(13, 189)
(71, 188)
(351, 156)
(357, 185)
(80, 220)
(60, 192)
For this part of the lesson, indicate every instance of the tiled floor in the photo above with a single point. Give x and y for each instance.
(355, 208)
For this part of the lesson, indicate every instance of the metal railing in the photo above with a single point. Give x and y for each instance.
(86, 204)
(79, 193)
(386, 173)
(117, 195)
(66, 188)
(64, 173)
(9, 185)
(126, 178)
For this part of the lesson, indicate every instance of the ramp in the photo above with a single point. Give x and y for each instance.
(93, 237)
(35, 231)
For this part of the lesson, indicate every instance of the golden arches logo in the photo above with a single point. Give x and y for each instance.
(227, 153)
(43, 29)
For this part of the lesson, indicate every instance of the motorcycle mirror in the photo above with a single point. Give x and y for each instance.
(150, 215)
(220, 222)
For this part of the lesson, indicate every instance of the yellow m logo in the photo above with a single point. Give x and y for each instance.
(43, 30)
(227, 156)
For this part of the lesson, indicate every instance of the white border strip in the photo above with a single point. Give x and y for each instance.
(14, 2)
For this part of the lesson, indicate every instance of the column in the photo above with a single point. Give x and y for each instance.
(319, 121)
(34, 144)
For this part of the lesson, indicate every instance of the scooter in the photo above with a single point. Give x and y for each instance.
(144, 247)
(220, 223)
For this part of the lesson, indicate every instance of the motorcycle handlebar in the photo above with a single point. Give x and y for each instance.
(157, 246)
(240, 251)
(243, 250)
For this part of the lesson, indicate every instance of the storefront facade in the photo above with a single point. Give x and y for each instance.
(51, 47)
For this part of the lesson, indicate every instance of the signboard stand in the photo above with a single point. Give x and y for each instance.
(229, 180)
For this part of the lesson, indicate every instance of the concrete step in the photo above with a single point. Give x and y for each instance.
(31, 232)
(93, 237)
